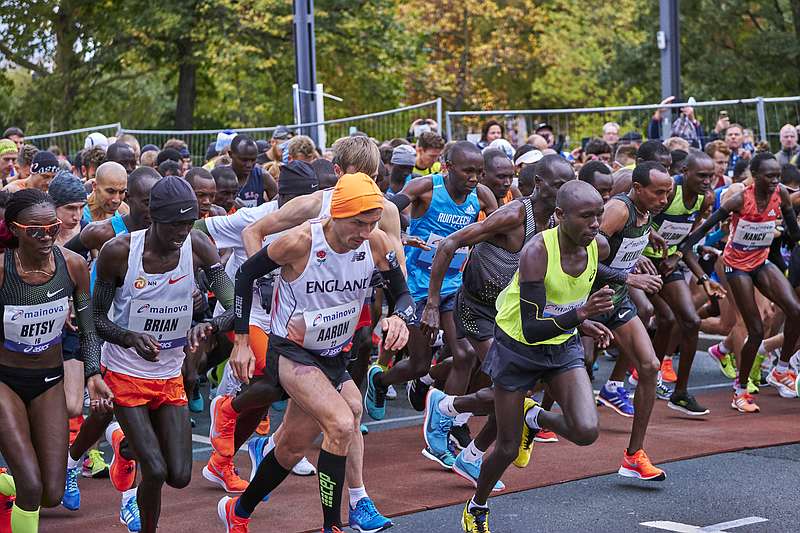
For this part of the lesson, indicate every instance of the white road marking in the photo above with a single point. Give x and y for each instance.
(722, 527)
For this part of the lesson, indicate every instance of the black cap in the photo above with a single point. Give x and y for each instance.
(211, 151)
(44, 161)
(149, 148)
(631, 136)
(173, 200)
(281, 133)
(263, 145)
(543, 126)
(168, 153)
(297, 178)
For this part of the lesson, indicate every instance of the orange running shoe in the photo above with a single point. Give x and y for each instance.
(223, 424)
(744, 403)
(785, 382)
(263, 426)
(639, 466)
(545, 435)
(667, 371)
(220, 471)
(233, 523)
(122, 471)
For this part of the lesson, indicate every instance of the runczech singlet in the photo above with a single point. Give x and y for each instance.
(490, 268)
(252, 192)
(159, 305)
(442, 218)
(119, 229)
(626, 246)
(676, 221)
(319, 310)
(751, 232)
(563, 291)
(34, 315)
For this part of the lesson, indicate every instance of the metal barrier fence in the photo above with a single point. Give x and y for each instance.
(70, 142)
(764, 116)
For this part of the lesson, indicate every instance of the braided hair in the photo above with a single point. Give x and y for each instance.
(19, 202)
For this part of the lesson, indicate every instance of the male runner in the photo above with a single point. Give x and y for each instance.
(255, 185)
(536, 339)
(205, 189)
(43, 170)
(326, 266)
(227, 188)
(111, 182)
(598, 175)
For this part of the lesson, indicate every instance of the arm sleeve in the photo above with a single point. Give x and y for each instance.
(75, 245)
(223, 322)
(220, 284)
(397, 289)
(694, 237)
(258, 265)
(535, 326)
(401, 201)
(606, 274)
(654, 129)
(102, 298)
(715, 236)
(90, 342)
(790, 223)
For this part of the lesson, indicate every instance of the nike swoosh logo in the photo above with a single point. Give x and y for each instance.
(173, 281)
(622, 314)
(48, 380)
(82, 308)
(51, 294)
(186, 210)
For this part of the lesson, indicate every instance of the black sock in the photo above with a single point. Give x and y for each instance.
(331, 483)
(269, 475)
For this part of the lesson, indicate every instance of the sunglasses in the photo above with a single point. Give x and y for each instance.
(40, 232)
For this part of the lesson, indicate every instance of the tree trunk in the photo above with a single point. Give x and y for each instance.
(187, 91)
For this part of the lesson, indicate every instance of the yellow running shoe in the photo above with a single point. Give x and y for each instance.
(526, 445)
(475, 521)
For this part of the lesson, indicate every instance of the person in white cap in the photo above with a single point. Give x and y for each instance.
(95, 139)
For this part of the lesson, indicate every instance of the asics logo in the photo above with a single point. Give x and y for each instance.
(51, 294)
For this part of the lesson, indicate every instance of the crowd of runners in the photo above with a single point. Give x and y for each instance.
(485, 279)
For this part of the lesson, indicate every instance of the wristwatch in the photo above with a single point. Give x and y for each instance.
(702, 280)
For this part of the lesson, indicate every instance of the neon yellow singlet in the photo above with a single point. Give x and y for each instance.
(563, 292)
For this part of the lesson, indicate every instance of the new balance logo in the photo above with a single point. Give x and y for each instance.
(358, 256)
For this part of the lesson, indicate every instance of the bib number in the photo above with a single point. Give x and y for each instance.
(751, 235)
(674, 232)
(328, 331)
(629, 252)
(167, 322)
(34, 328)
(425, 257)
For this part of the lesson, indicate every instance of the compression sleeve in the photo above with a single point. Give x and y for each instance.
(220, 284)
(790, 223)
(258, 265)
(76, 245)
(694, 237)
(223, 322)
(606, 274)
(715, 236)
(535, 326)
(397, 289)
(401, 201)
(102, 298)
(90, 342)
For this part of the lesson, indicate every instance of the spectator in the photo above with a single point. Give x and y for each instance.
(56, 151)
(420, 126)
(611, 133)
(654, 126)
(95, 139)
(625, 157)
(597, 150)
(749, 142)
(546, 131)
(723, 122)
(687, 127)
(789, 150)
(301, 148)
(633, 138)
(15, 134)
(719, 152)
(429, 148)
(25, 160)
(677, 143)
(734, 140)
(490, 131)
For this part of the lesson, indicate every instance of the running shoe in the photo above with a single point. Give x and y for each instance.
(755, 370)
(619, 401)
(436, 430)
(785, 382)
(639, 466)
(475, 520)
(528, 434)
(72, 494)
(545, 435)
(129, 516)
(744, 403)
(256, 452)
(417, 391)
(667, 371)
(122, 471)
(304, 468)
(686, 404)
(263, 426)
(8, 493)
(471, 470)
(226, 514)
(460, 437)
(752, 388)
(633, 379)
(366, 518)
(220, 471)
(196, 400)
(725, 361)
(375, 397)
(391, 393)
(794, 362)
(94, 466)
(332, 529)
(663, 391)
(223, 425)
(363, 429)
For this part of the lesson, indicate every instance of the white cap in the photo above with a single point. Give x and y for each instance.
(95, 139)
(529, 157)
(502, 145)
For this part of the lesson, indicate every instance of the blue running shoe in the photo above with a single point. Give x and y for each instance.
(619, 401)
(366, 518)
(196, 400)
(470, 471)
(255, 449)
(364, 429)
(375, 398)
(129, 516)
(279, 406)
(437, 430)
(72, 494)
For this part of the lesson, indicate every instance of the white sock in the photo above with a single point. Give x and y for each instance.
(471, 453)
(722, 347)
(356, 494)
(72, 463)
(462, 419)
(447, 408)
(127, 495)
(782, 366)
(427, 379)
(532, 418)
(611, 386)
(473, 505)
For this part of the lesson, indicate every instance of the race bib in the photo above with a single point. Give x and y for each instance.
(167, 322)
(426, 257)
(328, 331)
(750, 235)
(629, 252)
(674, 232)
(553, 309)
(34, 328)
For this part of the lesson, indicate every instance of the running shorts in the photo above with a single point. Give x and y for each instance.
(130, 391)
(678, 274)
(731, 271)
(473, 319)
(623, 312)
(334, 368)
(514, 366)
(365, 320)
(446, 305)
(71, 345)
(259, 343)
(28, 383)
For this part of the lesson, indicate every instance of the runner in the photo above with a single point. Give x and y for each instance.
(753, 214)
(326, 267)
(598, 175)
(255, 185)
(536, 339)
(227, 188)
(38, 278)
(440, 206)
(146, 279)
(106, 200)
(43, 170)
(205, 190)
(626, 225)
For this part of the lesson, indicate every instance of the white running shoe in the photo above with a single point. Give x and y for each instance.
(304, 468)
(794, 361)
(391, 394)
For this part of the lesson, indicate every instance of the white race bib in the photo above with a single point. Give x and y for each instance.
(629, 252)
(553, 309)
(426, 256)
(167, 322)
(329, 330)
(754, 234)
(674, 232)
(34, 328)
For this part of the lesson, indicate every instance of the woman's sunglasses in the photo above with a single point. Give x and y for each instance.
(40, 232)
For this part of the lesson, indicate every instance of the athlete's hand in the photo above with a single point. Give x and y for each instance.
(395, 333)
(415, 242)
(658, 243)
(199, 334)
(713, 288)
(597, 304)
(647, 282)
(602, 335)
(645, 266)
(198, 303)
(145, 345)
(429, 323)
(669, 265)
(100, 396)
(243, 361)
